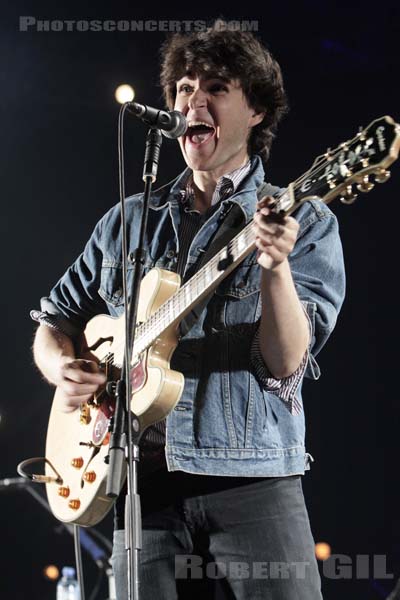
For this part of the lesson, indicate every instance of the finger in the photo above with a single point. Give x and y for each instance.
(276, 255)
(74, 373)
(264, 202)
(279, 237)
(90, 366)
(275, 219)
(68, 404)
(266, 210)
(287, 230)
(83, 364)
(78, 389)
(271, 228)
(285, 242)
(278, 219)
(269, 242)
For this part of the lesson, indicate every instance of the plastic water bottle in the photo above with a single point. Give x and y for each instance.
(67, 586)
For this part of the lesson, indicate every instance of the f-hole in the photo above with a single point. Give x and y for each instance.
(101, 341)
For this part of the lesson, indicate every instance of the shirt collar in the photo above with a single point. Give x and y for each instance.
(250, 181)
(227, 185)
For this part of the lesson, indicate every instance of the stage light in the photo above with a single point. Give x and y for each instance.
(51, 572)
(124, 93)
(322, 550)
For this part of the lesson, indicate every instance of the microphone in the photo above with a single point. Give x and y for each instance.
(172, 123)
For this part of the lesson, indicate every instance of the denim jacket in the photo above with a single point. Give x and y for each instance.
(228, 420)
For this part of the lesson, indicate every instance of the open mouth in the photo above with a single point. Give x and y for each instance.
(199, 133)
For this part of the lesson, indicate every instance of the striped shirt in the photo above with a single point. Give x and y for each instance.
(286, 387)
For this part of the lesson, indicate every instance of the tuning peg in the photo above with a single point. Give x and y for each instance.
(361, 133)
(382, 175)
(365, 185)
(345, 171)
(349, 196)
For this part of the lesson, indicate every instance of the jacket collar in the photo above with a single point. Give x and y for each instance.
(245, 195)
(169, 192)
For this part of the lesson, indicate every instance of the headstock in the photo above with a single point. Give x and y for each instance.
(351, 164)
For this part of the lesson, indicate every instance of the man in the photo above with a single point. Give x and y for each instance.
(220, 481)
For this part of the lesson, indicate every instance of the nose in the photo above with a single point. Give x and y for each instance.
(198, 99)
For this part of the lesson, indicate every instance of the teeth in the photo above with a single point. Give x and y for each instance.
(194, 123)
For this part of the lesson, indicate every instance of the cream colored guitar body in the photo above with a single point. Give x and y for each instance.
(81, 497)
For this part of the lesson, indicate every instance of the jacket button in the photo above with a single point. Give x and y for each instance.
(170, 254)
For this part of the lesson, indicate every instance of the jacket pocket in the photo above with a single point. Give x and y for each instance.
(238, 300)
(111, 283)
(111, 289)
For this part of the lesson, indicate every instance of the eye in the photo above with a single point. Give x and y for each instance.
(218, 87)
(185, 88)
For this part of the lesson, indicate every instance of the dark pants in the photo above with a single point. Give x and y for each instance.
(246, 542)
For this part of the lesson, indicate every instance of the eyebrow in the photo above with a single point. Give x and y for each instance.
(208, 77)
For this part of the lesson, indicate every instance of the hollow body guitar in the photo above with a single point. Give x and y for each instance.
(77, 442)
(156, 390)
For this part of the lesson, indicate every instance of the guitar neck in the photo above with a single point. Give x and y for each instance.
(176, 308)
(370, 152)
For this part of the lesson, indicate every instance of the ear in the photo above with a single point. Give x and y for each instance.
(256, 118)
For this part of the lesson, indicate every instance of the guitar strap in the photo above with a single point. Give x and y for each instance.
(232, 224)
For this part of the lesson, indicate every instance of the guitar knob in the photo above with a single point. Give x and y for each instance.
(382, 175)
(349, 196)
(74, 504)
(63, 492)
(365, 185)
(77, 462)
(89, 476)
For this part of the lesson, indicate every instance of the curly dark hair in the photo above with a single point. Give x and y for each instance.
(226, 54)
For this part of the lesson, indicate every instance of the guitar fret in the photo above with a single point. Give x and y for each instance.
(284, 202)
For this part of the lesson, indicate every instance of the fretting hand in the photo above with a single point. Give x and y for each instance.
(275, 235)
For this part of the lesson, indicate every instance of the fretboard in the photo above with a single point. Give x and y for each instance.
(203, 282)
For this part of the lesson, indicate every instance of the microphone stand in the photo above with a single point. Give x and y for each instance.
(126, 433)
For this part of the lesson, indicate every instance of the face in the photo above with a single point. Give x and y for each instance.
(222, 146)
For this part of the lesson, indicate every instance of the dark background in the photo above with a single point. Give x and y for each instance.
(59, 175)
